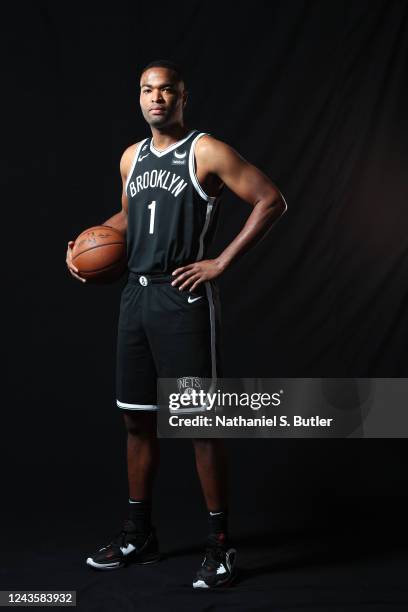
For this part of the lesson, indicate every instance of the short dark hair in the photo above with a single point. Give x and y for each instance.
(163, 63)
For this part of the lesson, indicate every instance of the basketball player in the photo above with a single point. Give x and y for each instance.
(169, 312)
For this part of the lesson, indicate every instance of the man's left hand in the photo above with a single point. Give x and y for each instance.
(192, 275)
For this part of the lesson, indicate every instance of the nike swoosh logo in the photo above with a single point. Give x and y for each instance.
(140, 158)
(180, 155)
(191, 300)
(127, 549)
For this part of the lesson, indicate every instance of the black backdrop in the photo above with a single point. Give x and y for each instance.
(312, 92)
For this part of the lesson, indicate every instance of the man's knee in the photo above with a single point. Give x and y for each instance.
(207, 444)
(141, 424)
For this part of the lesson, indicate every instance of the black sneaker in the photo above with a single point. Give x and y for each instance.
(126, 548)
(218, 567)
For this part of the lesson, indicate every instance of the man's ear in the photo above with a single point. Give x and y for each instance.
(185, 96)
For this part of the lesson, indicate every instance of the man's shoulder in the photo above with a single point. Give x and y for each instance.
(206, 141)
(131, 149)
(207, 146)
(128, 156)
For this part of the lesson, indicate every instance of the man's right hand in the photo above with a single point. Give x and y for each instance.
(73, 270)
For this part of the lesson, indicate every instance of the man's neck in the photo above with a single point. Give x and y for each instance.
(167, 136)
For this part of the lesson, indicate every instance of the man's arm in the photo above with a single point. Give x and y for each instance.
(249, 184)
(120, 220)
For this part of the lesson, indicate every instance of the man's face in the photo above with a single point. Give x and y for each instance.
(162, 98)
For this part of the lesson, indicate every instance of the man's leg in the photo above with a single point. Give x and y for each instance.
(218, 567)
(182, 336)
(142, 452)
(137, 540)
(212, 468)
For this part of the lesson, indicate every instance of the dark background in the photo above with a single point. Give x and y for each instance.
(312, 92)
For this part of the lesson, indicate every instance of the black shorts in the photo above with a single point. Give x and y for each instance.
(164, 333)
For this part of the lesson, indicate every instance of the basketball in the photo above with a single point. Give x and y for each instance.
(99, 253)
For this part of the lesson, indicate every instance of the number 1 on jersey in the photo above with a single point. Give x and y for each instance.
(152, 208)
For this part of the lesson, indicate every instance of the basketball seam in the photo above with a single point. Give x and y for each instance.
(95, 247)
(97, 228)
(101, 269)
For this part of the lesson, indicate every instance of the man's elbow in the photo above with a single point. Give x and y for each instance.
(279, 203)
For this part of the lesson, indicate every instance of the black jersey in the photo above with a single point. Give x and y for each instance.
(170, 217)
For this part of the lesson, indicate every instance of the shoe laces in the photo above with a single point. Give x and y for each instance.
(120, 539)
(215, 550)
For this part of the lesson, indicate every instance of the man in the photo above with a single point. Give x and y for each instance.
(169, 312)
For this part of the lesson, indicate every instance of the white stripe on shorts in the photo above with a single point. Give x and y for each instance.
(210, 298)
(136, 406)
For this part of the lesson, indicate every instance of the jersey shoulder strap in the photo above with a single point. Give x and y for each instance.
(140, 147)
